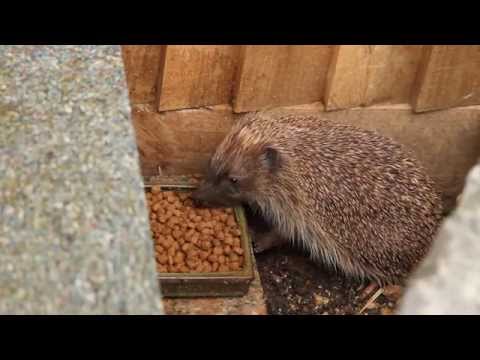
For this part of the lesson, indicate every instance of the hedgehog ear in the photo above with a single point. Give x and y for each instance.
(271, 158)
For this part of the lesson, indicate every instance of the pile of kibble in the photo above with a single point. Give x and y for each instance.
(189, 239)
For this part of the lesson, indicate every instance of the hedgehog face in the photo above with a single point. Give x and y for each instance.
(235, 178)
(225, 189)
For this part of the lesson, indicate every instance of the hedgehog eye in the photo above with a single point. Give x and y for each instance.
(233, 180)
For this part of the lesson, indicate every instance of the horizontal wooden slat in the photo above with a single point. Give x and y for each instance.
(362, 75)
(449, 77)
(142, 66)
(179, 141)
(197, 75)
(280, 75)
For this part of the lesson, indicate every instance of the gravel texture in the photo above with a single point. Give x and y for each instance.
(74, 227)
(448, 281)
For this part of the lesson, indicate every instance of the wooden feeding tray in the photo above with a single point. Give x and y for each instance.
(206, 284)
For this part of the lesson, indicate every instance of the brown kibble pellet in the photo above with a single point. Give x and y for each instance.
(194, 239)
(207, 267)
(179, 257)
(162, 259)
(236, 242)
(231, 221)
(217, 250)
(238, 250)
(223, 268)
(192, 264)
(191, 239)
(171, 251)
(234, 257)
(234, 265)
(177, 234)
(162, 268)
(236, 232)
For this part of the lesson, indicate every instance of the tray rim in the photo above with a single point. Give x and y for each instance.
(246, 274)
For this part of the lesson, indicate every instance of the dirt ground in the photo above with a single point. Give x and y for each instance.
(294, 285)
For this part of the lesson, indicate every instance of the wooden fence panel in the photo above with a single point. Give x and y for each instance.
(361, 75)
(449, 76)
(197, 75)
(142, 67)
(270, 76)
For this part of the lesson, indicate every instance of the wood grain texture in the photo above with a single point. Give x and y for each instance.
(449, 76)
(361, 75)
(278, 75)
(180, 142)
(197, 75)
(142, 66)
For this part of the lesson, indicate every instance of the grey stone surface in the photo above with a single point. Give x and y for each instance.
(448, 281)
(74, 233)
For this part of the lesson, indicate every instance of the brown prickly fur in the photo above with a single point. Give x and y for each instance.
(353, 198)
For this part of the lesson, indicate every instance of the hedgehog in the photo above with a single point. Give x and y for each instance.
(355, 200)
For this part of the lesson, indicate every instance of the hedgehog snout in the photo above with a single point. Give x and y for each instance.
(203, 196)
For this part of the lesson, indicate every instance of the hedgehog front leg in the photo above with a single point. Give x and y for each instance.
(267, 240)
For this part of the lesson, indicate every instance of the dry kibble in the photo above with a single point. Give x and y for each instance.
(234, 265)
(231, 221)
(207, 267)
(162, 259)
(238, 250)
(223, 268)
(162, 268)
(236, 232)
(217, 250)
(189, 239)
(177, 234)
(236, 242)
(179, 257)
(234, 257)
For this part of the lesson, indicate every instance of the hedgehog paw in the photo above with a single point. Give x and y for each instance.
(266, 241)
